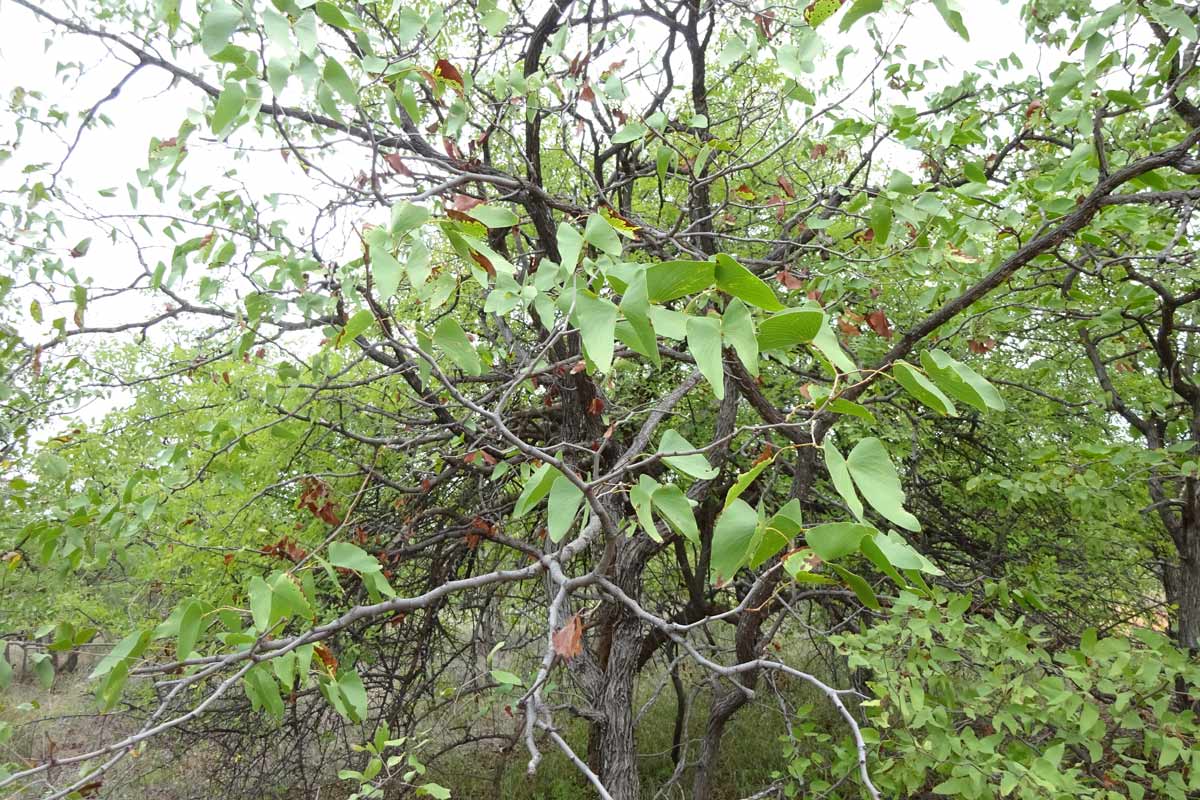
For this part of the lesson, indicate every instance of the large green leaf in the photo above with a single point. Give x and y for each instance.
(494, 216)
(562, 507)
(635, 305)
(596, 318)
(879, 483)
(537, 487)
(386, 270)
(740, 282)
(217, 26)
(704, 343)
(670, 280)
(737, 329)
(602, 235)
(788, 328)
(732, 538)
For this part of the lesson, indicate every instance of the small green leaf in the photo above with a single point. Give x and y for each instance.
(494, 216)
(189, 629)
(694, 465)
(452, 340)
(537, 487)
(961, 382)
(839, 473)
(260, 603)
(355, 326)
(737, 329)
(353, 557)
(351, 687)
(386, 271)
(330, 14)
(704, 344)
(920, 387)
(860, 9)
(339, 80)
(862, 589)
(630, 132)
(229, 107)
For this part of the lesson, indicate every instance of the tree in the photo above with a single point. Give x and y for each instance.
(591, 337)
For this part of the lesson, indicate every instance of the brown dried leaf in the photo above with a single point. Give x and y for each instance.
(568, 640)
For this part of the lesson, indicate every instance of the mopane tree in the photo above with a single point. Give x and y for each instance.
(570, 361)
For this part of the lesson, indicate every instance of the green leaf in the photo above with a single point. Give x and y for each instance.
(229, 107)
(330, 14)
(952, 17)
(839, 473)
(129, 647)
(635, 305)
(835, 540)
(355, 326)
(386, 271)
(920, 387)
(6, 671)
(879, 483)
(189, 629)
(737, 329)
(732, 278)
(862, 589)
(694, 465)
(570, 245)
(788, 328)
(353, 557)
(902, 555)
(961, 382)
(260, 603)
(289, 596)
(670, 280)
(563, 506)
(537, 487)
(827, 343)
(704, 344)
(641, 497)
(860, 9)
(733, 535)
(339, 80)
(783, 525)
(631, 132)
(602, 235)
(434, 790)
(881, 220)
(351, 687)
(745, 479)
(494, 216)
(217, 26)
(596, 319)
(505, 677)
(676, 509)
(452, 340)
(406, 217)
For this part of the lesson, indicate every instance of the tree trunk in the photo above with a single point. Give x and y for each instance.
(1181, 581)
